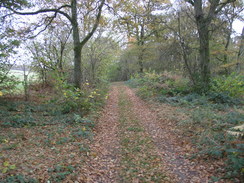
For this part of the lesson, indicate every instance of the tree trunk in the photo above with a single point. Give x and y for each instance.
(26, 86)
(140, 62)
(226, 54)
(76, 44)
(93, 72)
(77, 66)
(204, 55)
(141, 49)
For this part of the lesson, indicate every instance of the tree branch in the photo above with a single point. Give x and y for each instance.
(89, 35)
(221, 5)
(57, 10)
(49, 23)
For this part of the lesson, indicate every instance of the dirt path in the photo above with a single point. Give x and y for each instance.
(171, 154)
(132, 146)
(104, 156)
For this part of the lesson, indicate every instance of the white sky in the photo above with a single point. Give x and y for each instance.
(237, 26)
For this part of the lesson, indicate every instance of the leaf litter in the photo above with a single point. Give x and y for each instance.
(36, 151)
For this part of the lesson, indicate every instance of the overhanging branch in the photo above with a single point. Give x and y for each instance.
(56, 10)
(89, 35)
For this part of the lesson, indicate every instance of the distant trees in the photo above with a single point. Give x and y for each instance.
(73, 19)
(137, 20)
(98, 56)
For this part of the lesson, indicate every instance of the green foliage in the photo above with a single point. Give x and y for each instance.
(81, 100)
(19, 121)
(83, 132)
(153, 84)
(146, 92)
(8, 83)
(60, 172)
(63, 140)
(210, 136)
(6, 167)
(18, 179)
(235, 161)
(7, 44)
(84, 148)
(10, 146)
(206, 125)
(232, 85)
(83, 121)
(15, 4)
(223, 98)
(135, 129)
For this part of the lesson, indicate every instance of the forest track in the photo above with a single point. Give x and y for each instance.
(184, 170)
(124, 110)
(104, 151)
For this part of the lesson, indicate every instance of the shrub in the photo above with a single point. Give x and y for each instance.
(8, 83)
(81, 100)
(235, 162)
(223, 98)
(152, 84)
(146, 92)
(232, 85)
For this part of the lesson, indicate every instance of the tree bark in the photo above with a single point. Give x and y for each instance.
(76, 45)
(204, 54)
(203, 33)
(141, 49)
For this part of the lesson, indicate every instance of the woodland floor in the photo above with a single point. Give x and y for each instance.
(134, 142)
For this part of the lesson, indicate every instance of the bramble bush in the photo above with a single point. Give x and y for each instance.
(152, 84)
(232, 85)
(82, 100)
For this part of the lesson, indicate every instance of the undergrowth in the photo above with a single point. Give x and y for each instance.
(65, 120)
(210, 116)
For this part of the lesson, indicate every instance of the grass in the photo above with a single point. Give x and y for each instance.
(139, 162)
